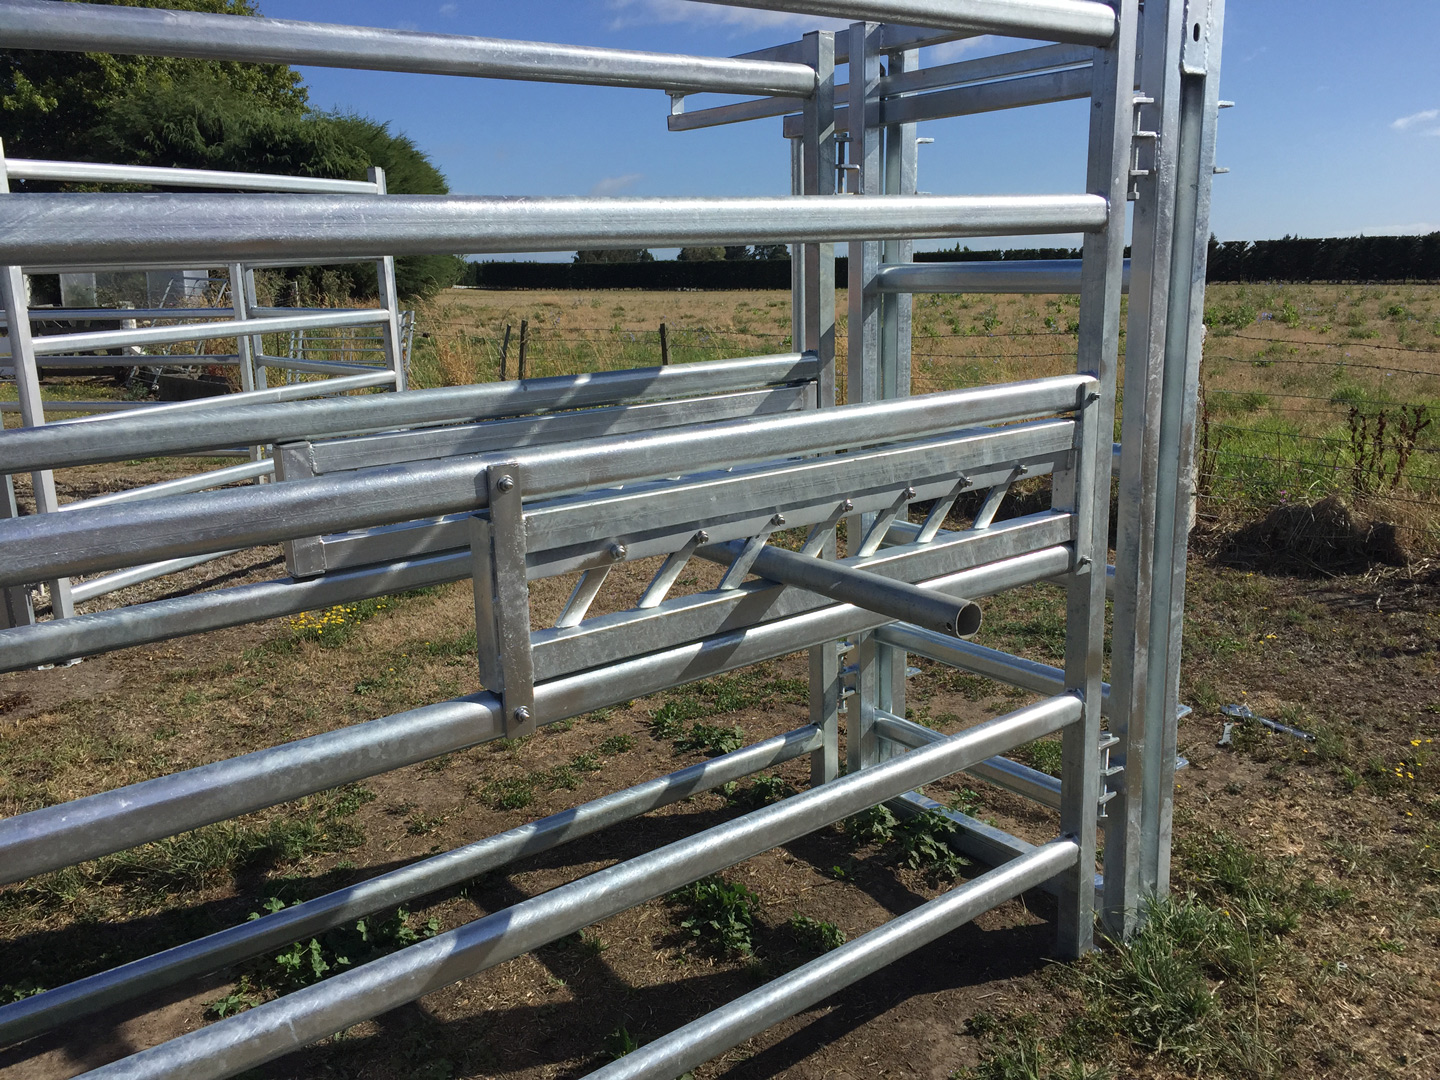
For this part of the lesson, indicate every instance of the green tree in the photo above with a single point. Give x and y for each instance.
(701, 254)
(51, 103)
(212, 115)
(614, 255)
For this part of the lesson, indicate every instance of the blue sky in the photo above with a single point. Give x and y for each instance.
(1336, 128)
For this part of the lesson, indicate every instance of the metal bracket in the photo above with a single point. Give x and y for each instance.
(985, 517)
(1107, 741)
(940, 511)
(741, 566)
(502, 599)
(1195, 50)
(664, 578)
(815, 542)
(881, 525)
(305, 555)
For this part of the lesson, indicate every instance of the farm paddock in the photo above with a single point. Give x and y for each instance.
(1301, 939)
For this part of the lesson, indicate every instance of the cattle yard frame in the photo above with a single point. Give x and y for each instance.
(508, 482)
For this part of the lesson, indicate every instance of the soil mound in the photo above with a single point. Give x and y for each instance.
(1325, 537)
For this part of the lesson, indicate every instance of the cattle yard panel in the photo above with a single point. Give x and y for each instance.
(510, 482)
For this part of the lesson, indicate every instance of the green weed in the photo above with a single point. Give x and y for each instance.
(815, 935)
(719, 914)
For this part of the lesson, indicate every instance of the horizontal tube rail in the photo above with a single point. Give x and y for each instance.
(33, 1015)
(731, 1024)
(1020, 276)
(983, 69)
(57, 836)
(232, 474)
(1001, 771)
(43, 546)
(51, 641)
(313, 367)
(285, 1024)
(54, 640)
(849, 584)
(146, 435)
(158, 411)
(894, 37)
(992, 663)
(135, 575)
(245, 228)
(1039, 89)
(1083, 22)
(55, 27)
(166, 335)
(88, 173)
(965, 73)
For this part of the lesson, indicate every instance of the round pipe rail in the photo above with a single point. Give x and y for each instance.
(1019, 276)
(1081, 22)
(94, 230)
(33, 1015)
(86, 173)
(127, 31)
(204, 426)
(58, 836)
(792, 993)
(955, 616)
(43, 546)
(271, 1030)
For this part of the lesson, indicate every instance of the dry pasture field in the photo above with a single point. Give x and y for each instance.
(1302, 937)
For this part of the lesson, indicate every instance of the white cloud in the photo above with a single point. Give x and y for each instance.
(1414, 228)
(651, 12)
(1405, 123)
(614, 185)
(950, 51)
(449, 10)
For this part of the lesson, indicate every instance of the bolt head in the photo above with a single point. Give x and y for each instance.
(505, 483)
(617, 551)
(778, 519)
(521, 714)
(847, 506)
(702, 537)
(909, 492)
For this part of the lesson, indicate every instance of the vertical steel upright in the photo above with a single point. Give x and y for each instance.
(389, 300)
(1177, 108)
(16, 304)
(816, 160)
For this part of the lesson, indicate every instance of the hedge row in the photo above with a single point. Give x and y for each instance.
(1360, 258)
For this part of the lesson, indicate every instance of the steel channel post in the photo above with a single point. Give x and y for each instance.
(244, 344)
(1162, 27)
(16, 608)
(1195, 168)
(895, 327)
(864, 180)
(32, 408)
(813, 170)
(389, 300)
(1108, 174)
(278, 1027)
(42, 1012)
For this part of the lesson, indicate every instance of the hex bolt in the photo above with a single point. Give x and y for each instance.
(777, 520)
(847, 506)
(702, 537)
(521, 714)
(909, 493)
(505, 483)
(617, 551)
